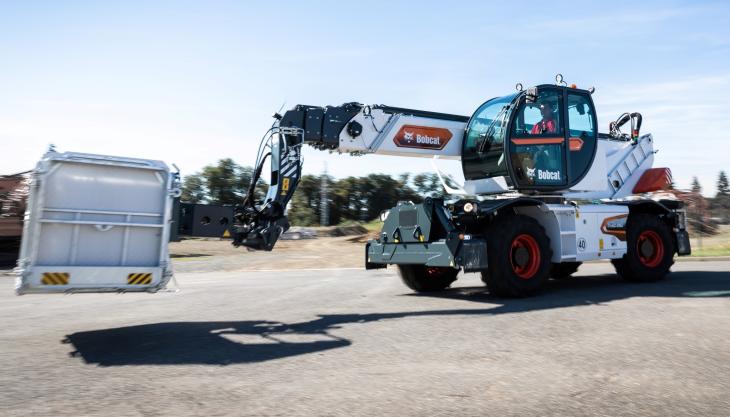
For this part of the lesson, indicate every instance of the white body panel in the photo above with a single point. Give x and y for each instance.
(575, 232)
(591, 242)
(617, 168)
(379, 130)
(93, 220)
(595, 179)
(494, 185)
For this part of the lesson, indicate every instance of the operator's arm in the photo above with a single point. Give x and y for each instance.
(352, 128)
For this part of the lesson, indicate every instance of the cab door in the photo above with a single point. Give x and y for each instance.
(582, 133)
(538, 141)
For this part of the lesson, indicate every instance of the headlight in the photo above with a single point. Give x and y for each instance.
(468, 207)
(384, 215)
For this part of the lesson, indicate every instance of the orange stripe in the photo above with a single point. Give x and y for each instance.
(537, 141)
(575, 144)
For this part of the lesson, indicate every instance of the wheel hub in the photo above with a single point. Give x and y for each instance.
(521, 256)
(650, 248)
(647, 249)
(525, 256)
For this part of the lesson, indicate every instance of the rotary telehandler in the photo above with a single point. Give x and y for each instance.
(544, 191)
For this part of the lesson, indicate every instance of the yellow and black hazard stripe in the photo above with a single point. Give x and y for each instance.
(55, 278)
(144, 278)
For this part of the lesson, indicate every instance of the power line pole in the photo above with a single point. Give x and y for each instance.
(324, 207)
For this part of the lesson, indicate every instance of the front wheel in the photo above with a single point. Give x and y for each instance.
(649, 249)
(421, 278)
(519, 254)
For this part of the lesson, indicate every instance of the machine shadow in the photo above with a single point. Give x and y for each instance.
(235, 342)
(597, 289)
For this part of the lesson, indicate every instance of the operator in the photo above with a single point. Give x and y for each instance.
(547, 124)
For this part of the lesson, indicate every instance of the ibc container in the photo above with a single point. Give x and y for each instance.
(96, 223)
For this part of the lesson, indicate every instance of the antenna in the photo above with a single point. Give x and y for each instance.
(277, 115)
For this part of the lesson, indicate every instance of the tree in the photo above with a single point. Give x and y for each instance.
(245, 174)
(304, 207)
(428, 185)
(696, 187)
(723, 188)
(698, 214)
(193, 189)
(223, 182)
(720, 205)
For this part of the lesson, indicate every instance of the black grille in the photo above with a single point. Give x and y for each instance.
(408, 217)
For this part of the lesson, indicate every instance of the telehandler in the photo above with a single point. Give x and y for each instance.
(544, 191)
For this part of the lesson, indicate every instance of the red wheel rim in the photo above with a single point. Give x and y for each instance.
(650, 248)
(525, 256)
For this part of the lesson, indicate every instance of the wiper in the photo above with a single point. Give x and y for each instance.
(487, 136)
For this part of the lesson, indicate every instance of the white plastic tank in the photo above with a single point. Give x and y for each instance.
(97, 223)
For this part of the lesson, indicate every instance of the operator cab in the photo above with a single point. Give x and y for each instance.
(541, 139)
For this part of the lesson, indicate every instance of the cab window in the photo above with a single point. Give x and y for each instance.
(537, 142)
(541, 118)
(580, 116)
(483, 147)
(582, 133)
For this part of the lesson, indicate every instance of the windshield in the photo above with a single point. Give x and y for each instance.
(483, 149)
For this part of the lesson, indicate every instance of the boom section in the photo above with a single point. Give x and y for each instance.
(379, 129)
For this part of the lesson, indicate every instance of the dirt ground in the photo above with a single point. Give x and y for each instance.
(213, 254)
(197, 255)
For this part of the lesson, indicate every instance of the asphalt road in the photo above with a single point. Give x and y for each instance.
(349, 342)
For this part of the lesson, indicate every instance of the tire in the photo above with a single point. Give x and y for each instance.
(650, 249)
(518, 251)
(485, 277)
(564, 270)
(421, 278)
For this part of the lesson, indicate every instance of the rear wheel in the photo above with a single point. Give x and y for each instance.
(519, 255)
(564, 269)
(423, 278)
(650, 249)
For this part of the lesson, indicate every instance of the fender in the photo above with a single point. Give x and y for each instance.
(672, 212)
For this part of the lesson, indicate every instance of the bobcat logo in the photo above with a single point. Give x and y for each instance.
(531, 173)
(422, 137)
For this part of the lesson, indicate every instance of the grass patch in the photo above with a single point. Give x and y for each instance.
(713, 250)
(372, 226)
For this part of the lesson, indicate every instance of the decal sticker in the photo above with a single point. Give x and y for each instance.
(615, 226)
(422, 137)
(582, 244)
(531, 173)
(545, 175)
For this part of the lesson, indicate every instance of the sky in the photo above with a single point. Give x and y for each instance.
(193, 82)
